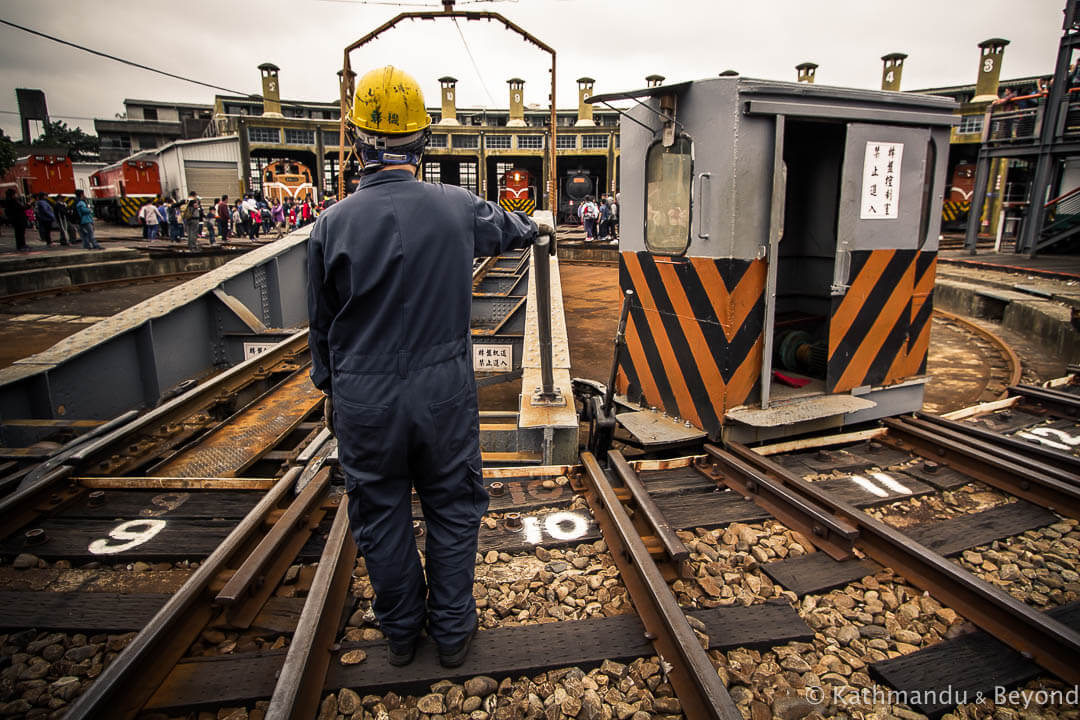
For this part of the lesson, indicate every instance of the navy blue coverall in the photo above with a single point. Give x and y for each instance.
(389, 295)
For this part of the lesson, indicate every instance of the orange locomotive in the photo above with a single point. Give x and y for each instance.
(120, 189)
(515, 192)
(50, 174)
(287, 180)
(958, 201)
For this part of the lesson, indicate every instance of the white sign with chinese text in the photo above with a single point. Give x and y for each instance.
(493, 358)
(254, 349)
(881, 181)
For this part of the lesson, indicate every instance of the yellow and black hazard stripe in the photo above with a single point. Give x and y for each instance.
(526, 204)
(879, 330)
(694, 335)
(953, 210)
(128, 209)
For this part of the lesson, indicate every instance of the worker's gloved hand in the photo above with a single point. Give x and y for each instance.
(328, 413)
(543, 228)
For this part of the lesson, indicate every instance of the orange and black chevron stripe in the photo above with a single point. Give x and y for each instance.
(694, 335)
(525, 204)
(922, 305)
(879, 330)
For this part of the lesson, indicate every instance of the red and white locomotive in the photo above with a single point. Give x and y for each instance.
(47, 173)
(120, 189)
(516, 191)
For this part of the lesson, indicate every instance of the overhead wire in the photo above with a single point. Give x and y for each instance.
(135, 64)
(476, 67)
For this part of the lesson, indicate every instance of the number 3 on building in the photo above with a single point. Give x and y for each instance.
(988, 65)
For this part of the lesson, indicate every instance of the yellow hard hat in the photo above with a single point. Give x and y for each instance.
(388, 101)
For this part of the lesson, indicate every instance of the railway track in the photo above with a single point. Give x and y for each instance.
(31, 295)
(1004, 368)
(650, 587)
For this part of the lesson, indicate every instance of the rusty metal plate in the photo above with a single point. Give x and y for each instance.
(229, 449)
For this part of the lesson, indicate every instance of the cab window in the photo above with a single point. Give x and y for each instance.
(668, 173)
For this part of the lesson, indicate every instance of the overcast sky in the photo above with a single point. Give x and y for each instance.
(618, 42)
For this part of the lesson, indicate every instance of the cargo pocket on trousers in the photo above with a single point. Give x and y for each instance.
(361, 431)
(457, 430)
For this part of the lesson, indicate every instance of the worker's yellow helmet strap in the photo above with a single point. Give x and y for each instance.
(389, 101)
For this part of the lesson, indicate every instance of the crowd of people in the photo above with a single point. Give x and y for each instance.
(601, 220)
(251, 216)
(73, 222)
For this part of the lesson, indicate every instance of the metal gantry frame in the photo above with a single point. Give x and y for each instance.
(348, 81)
(1048, 149)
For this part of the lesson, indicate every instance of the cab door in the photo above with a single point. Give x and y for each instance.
(886, 193)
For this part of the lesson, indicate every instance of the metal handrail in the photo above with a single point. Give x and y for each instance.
(1071, 193)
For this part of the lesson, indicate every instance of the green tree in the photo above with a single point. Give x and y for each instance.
(80, 145)
(8, 155)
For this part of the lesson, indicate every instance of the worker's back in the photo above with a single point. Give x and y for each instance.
(393, 265)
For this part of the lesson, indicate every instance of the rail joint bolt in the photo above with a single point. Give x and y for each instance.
(36, 536)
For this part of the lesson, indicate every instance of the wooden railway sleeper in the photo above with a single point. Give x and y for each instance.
(1051, 644)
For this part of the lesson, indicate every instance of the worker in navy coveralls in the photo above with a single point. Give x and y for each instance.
(390, 288)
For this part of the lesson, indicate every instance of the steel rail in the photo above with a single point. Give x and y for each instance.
(123, 687)
(19, 297)
(1010, 356)
(250, 574)
(990, 468)
(1057, 401)
(692, 675)
(673, 546)
(835, 537)
(40, 491)
(1050, 643)
(1063, 466)
(300, 685)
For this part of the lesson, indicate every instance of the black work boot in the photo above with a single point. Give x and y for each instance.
(453, 657)
(401, 653)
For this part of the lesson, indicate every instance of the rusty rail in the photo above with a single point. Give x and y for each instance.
(692, 674)
(128, 682)
(300, 685)
(1007, 352)
(1010, 473)
(45, 489)
(1062, 403)
(1057, 464)
(1051, 644)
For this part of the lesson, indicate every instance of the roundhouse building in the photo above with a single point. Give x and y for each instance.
(472, 146)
